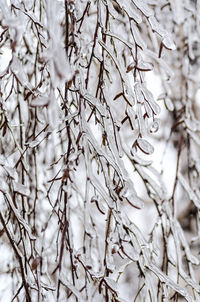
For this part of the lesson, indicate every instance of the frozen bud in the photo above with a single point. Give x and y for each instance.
(103, 84)
(130, 67)
(154, 126)
(71, 6)
(35, 263)
(115, 248)
(75, 264)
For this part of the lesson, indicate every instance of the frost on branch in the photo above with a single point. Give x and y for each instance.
(78, 129)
